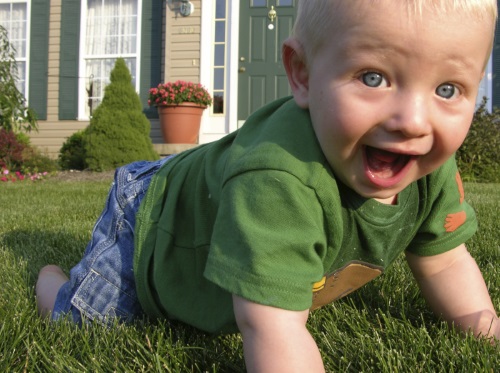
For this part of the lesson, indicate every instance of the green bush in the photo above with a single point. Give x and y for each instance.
(17, 154)
(23, 138)
(119, 131)
(478, 158)
(72, 153)
(35, 162)
(15, 115)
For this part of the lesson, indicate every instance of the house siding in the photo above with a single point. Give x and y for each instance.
(182, 47)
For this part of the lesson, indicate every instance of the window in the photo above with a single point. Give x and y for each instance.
(220, 56)
(14, 17)
(110, 29)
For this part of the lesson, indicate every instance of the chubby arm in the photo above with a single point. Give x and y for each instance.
(276, 340)
(453, 286)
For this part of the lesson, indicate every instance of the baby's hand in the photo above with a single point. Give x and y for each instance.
(453, 221)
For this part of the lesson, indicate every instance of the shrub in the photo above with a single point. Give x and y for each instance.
(23, 139)
(11, 150)
(478, 158)
(35, 162)
(15, 115)
(19, 158)
(119, 131)
(72, 153)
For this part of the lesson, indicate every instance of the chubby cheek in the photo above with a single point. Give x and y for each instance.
(446, 143)
(449, 138)
(337, 123)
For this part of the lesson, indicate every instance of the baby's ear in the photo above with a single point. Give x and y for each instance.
(296, 70)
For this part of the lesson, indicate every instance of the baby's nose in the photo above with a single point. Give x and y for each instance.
(410, 116)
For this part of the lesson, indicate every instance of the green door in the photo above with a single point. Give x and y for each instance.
(262, 76)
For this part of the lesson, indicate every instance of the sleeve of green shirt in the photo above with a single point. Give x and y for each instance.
(268, 241)
(451, 220)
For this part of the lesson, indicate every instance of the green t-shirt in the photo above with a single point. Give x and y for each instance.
(260, 214)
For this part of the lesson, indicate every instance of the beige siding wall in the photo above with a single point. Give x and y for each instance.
(181, 61)
(182, 45)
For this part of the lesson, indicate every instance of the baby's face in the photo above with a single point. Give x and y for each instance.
(392, 96)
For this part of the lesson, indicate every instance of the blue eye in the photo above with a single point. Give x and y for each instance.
(447, 91)
(373, 79)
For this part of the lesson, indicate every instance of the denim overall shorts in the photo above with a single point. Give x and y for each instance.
(101, 286)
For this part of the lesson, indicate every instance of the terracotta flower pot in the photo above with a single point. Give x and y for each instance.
(180, 124)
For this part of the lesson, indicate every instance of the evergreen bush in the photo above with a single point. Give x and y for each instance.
(119, 131)
(478, 158)
(72, 153)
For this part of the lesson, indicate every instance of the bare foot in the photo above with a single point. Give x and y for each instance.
(50, 280)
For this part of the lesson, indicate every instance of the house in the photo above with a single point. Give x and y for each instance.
(66, 50)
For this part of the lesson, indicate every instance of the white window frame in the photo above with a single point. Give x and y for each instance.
(83, 80)
(26, 59)
(216, 126)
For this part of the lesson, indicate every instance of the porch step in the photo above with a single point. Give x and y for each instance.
(167, 149)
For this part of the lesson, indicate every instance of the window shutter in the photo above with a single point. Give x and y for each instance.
(39, 57)
(68, 75)
(152, 16)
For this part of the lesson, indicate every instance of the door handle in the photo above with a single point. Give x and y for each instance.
(242, 69)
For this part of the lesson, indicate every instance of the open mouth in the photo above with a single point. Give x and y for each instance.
(385, 168)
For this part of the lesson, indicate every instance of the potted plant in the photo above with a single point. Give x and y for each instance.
(180, 106)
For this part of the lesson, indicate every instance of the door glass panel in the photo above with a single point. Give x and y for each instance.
(219, 62)
(219, 79)
(220, 31)
(220, 9)
(258, 3)
(284, 2)
(219, 57)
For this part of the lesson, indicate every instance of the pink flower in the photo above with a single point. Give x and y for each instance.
(178, 92)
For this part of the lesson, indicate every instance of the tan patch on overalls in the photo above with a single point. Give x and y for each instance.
(342, 282)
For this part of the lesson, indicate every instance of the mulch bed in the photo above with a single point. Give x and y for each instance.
(77, 176)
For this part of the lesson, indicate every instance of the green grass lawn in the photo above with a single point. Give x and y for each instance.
(385, 326)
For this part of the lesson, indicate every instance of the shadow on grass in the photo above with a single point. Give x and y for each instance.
(39, 248)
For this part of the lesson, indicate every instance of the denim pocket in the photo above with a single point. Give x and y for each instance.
(101, 300)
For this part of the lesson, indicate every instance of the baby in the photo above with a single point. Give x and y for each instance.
(313, 197)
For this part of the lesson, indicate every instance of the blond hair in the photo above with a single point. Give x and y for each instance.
(315, 17)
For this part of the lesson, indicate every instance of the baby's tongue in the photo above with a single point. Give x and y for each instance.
(384, 164)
